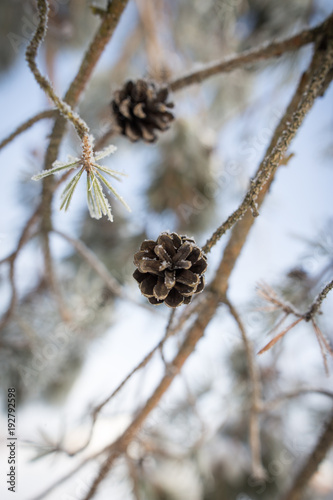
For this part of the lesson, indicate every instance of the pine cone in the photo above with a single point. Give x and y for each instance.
(170, 269)
(139, 108)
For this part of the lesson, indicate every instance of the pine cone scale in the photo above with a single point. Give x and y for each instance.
(148, 245)
(170, 279)
(160, 290)
(147, 285)
(138, 111)
(151, 266)
(199, 267)
(166, 241)
(186, 277)
(174, 299)
(183, 252)
(184, 289)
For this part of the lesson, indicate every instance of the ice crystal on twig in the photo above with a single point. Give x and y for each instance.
(98, 204)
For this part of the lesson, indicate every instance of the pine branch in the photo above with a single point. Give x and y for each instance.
(322, 64)
(104, 33)
(194, 334)
(80, 126)
(246, 58)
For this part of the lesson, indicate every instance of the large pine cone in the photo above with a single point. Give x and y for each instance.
(139, 108)
(170, 269)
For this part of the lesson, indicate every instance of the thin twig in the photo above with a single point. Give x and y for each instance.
(167, 332)
(94, 263)
(49, 113)
(258, 470)
(118, 447)
(321, 345)
(52, 280)
(268, 406)
(25, 236)
(312, 463)
(96, 411)
(266, 51)
(268, 294)
(277, 325)
(13, 300)
(67, 476)
(138, 367)
(101, 270)
(134, 476)
(315, 307)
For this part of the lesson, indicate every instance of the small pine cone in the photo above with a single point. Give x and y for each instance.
(139, 108)
(170, 269)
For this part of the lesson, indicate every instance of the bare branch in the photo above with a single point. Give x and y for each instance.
(13, 300)
(101, 270)
(133, 473)
(48, 113)
(117, 448)
(67, 476)
(94, 262)
(31, 53)
(267, 51)
(105, 31)
(96, 411)
(315, 307)
(52, 281)
(194, 334)
(312, 463)
(321, 64)
(278, 304)
(271, 405)
(258, 470)
(242, 228)
(25, 236)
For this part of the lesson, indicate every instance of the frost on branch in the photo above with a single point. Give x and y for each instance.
(98, 204)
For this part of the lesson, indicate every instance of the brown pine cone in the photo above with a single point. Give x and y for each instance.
(139, 108)
(170, 270)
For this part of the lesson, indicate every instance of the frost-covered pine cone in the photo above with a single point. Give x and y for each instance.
(170, 270)
(140, 108)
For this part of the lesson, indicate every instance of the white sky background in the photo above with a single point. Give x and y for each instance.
(299, 204)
